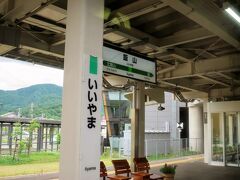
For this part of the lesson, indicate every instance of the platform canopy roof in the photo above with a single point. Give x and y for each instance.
(195, 43)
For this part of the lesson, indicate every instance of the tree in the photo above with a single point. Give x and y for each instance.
(58, 138)
(34, 124)
(22, 145)
(16, 137)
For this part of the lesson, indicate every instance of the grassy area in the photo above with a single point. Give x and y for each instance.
(41, 162)
(34, 158)
(24, 169)
(36, 163)
(171, 155)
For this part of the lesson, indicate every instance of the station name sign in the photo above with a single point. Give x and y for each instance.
(127, 65)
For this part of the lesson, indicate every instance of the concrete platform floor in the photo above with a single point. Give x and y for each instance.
(197, 170)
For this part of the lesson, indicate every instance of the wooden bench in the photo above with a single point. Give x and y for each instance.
(118, 178)
(141, 176)
(121, 167)
(103, 170)
(142, 165)
(103, 173)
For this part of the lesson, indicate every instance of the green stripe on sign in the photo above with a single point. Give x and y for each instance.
(127, 68)
(93, 65)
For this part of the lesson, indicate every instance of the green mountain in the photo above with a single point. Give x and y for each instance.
(42, 99)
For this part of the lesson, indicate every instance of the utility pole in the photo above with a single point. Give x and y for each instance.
(19, 112)
(31, 110)
(1, 105)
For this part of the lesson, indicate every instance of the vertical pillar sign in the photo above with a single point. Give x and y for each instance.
(92, 96)
(91, 116)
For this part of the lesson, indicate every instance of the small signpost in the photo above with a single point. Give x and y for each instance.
(127, 65)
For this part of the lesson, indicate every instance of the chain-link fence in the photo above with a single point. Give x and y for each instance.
(155, 149)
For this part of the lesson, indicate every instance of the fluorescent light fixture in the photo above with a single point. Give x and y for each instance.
(232, 13)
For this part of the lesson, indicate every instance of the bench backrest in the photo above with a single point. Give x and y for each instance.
(141, 164)
(103, 170)
(121, 167)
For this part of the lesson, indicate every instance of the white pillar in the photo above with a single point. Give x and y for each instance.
(80, 146)
(239, 131)
(230, 130)
(138, 121)
(196, 127)
(207, 141)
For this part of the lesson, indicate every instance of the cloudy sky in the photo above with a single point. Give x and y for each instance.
(16, 74)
